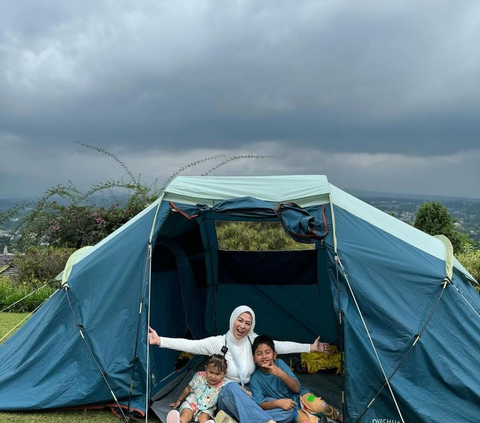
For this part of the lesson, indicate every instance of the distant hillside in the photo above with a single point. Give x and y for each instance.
(466, 211)
(396, 196)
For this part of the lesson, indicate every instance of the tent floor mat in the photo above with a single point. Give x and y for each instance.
(327, 386)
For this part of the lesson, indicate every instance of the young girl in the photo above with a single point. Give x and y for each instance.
(201, 394)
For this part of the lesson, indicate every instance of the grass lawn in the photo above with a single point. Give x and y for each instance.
(60, 417)
(7, 321)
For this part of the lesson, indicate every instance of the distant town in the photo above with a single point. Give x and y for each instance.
(465, 211)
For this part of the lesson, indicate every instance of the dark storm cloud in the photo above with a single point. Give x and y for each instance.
(369, 77)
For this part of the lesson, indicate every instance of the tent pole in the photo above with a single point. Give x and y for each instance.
(340, 333)
(147, 378)
(137, 336)
(152, 234)
(371, 341)
(334, 229)
(340, 320)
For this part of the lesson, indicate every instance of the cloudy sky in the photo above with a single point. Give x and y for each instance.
(378, 95)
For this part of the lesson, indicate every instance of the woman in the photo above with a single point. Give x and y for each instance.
(236, 345)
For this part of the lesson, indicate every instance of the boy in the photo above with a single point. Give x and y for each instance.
(275, 388)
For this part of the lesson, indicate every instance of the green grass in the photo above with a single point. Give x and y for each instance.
(72, 416)
(7, 322)
(11, 293)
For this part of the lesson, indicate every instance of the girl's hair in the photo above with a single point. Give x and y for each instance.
(218, 361)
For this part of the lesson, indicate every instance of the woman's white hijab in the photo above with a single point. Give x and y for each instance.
(241, 349)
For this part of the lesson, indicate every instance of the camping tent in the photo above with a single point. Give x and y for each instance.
(390, 296)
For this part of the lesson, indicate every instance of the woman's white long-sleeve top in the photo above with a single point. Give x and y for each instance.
(214, 344)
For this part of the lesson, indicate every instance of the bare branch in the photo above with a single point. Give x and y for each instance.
(231, 159)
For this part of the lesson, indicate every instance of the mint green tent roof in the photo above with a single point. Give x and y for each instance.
(304, 190)
(300, 189)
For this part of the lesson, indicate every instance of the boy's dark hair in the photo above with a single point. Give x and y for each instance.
(260, 340)
(218, 361)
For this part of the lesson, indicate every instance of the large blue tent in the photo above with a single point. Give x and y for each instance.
(394, 299)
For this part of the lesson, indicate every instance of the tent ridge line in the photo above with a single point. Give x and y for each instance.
(464, 299)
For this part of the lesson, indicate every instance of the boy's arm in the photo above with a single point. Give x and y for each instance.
(291, 382)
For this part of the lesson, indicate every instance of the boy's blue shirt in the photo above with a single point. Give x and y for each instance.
(267, 387)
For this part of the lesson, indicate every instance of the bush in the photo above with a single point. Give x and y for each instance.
(10, 293)
(470, 259)
(75, 225)
(255, 236)
(40, 265)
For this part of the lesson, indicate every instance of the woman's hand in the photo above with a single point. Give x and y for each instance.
(175, 404)
(153, 337)
(318, 346)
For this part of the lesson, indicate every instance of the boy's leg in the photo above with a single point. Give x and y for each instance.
(280, 415)
(239, 405)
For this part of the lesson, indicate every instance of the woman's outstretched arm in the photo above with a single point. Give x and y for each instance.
(207, 346)
(153, 337)
(288, 347)
(318, 346)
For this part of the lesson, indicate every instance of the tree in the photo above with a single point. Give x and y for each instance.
(433, 218)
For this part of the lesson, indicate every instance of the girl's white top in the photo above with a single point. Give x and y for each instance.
(239, 355)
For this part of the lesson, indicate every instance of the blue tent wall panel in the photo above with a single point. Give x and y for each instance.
(397, 286)
(105, 292)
